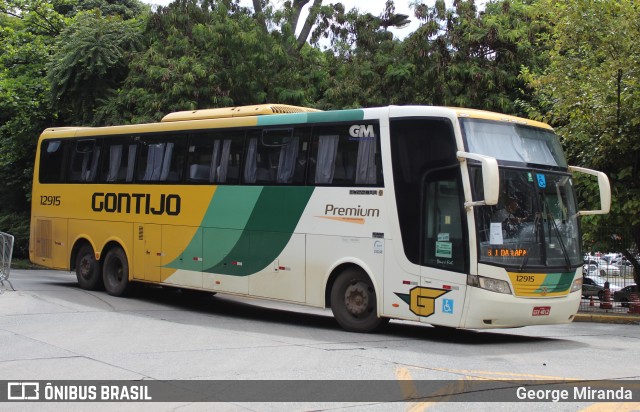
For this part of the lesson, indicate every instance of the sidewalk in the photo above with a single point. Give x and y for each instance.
(608, 317)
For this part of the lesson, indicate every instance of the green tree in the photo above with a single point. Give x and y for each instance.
(591, 93)
(204, 55)
(90, 62)
(27, 31)
(366, 64)
(26, 38)
(323, 19)
(462, 57)
(28, 34)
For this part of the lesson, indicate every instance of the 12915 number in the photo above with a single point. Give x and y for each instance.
(521, 278)
(50, 200)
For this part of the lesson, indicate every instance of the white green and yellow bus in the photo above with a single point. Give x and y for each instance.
(446, 216)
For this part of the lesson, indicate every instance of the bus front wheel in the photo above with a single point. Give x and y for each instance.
(354, 303)
(88, 269)
(116, 272)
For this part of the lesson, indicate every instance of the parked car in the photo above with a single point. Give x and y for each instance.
(600, 270)
(605, 268)
(625, 267)
(592, 288)
(624, 295)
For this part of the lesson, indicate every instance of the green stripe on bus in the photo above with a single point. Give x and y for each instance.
(268, 230)
(246, 228)
(223, 223)
(312, 117)
(232, 206)
(556, 282)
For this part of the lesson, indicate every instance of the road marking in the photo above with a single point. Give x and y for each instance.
(610, 406)
(409, 390)
(469, 374)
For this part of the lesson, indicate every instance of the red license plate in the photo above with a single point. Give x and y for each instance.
(541, 311)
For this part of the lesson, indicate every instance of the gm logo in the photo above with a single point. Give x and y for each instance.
(23, 391)
(362, 131)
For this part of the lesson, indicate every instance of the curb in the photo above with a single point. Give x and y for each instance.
(608, 318)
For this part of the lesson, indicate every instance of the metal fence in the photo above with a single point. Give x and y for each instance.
(6, 250)
(617, 279)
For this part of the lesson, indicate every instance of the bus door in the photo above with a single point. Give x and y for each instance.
(148, 252)
(443, 249)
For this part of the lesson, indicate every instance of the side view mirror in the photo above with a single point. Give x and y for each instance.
(490, 178)
(605, 191)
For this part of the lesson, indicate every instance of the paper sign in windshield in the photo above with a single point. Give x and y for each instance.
(495, 234)
(444, 249)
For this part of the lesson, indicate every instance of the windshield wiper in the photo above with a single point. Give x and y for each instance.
(534, 236)
(552, 220)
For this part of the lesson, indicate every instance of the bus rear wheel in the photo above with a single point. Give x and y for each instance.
(88, 269)
(116, 272)
(354, 303)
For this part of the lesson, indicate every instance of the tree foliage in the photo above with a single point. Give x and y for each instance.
(90, 62)
(27, 35)
(590, 92)
(204, 55)
(29, 32)
(462, 57)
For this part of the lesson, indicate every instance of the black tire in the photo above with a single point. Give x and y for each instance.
(601, 295)
(354, 303)
(115, 272)
(88, 269)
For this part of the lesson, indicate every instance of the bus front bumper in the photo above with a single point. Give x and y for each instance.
(490, 310)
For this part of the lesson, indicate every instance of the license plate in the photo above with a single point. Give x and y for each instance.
(541, 311)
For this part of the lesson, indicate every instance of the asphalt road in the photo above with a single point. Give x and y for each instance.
(52, 330)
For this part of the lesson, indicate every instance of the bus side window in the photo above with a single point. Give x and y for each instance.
(276, 156)
(161, 159)
(119, 161)
(215, 158)
(199, 158)
(301, 161)
(53, 157)
(85, 161)
(340, 159)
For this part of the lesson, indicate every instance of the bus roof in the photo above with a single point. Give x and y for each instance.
(482, 114)
(238, 111)
(240, 116)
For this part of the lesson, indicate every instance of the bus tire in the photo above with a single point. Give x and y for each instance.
(354, 303)
(115, 272)
(88, 269)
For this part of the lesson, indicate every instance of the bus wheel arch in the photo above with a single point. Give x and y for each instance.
(352, 296)
(115, 270)
(88, 269)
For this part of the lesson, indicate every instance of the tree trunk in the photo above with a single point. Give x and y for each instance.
(631, 258)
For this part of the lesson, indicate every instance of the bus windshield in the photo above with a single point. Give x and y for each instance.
(534, 224)
(513, 142)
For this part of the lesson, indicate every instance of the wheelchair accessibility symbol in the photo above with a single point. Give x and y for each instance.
(447, 306)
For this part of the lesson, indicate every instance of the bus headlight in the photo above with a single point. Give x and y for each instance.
(494, 285)
(577, 285)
